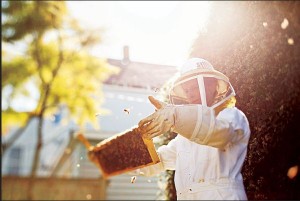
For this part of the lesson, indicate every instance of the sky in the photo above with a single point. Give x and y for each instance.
(158, 32)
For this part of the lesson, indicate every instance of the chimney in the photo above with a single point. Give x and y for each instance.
(126, 59)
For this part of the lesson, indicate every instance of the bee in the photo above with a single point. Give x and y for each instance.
(133, 179)
(127, 110)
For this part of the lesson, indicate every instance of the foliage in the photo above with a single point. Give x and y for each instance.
(256, 45)
(59, 70)
(15, 71)
(30, 17)
(12, 118)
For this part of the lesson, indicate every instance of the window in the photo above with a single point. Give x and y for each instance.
(14, 161)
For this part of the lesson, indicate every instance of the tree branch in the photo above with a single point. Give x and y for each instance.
(15, 136)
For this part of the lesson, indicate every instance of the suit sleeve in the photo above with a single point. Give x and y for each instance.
(199, 124)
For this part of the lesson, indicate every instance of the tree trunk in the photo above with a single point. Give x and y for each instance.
(36, 159)
(44, 99)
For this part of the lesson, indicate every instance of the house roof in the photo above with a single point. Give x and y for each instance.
(139, 74)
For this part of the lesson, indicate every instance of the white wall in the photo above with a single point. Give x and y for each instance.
(119, 98)
(55, 139)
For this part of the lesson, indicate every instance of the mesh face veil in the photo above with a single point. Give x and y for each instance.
(200, 84)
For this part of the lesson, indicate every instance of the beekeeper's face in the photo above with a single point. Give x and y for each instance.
(200, 89)
(191, 91)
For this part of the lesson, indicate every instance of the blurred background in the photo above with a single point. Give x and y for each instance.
(74, 66)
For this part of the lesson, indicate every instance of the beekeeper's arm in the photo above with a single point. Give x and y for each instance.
(194, 122)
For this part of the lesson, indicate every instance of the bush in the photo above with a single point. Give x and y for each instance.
(256, 45)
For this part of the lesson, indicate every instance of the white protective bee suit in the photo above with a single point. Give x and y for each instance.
(209, 150)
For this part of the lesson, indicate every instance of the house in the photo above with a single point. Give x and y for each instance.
(125, 96)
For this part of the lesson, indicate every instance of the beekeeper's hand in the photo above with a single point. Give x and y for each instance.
(160, 121)
(92, 156)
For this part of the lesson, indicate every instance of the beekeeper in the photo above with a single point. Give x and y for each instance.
(210, 149)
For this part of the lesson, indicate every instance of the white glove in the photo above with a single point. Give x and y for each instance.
(159, 122)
